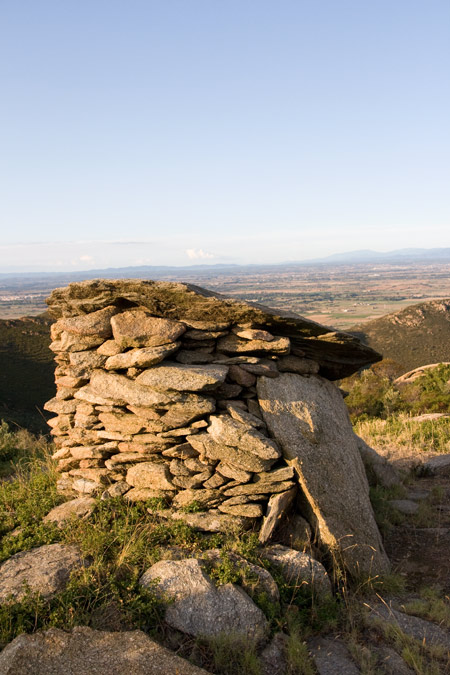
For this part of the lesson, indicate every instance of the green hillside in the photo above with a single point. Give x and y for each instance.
(26, 370)
(415, 336)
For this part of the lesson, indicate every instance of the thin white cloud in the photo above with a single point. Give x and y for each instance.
(199, 254)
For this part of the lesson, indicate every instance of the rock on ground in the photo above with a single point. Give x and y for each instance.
(299, 568)
(198, 607)
(45, 570)
(331, 657)
(378, 470)
(419, 629)
(91, 652)
(309, 420)
(81, 508)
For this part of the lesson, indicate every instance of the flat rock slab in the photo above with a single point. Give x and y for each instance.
(45, 570)
(419, 629)
(181, 377)
(436, 466)
(331, 657)
(338, 354)
(198, 607)
(299, 568)
(273, 658)
(309, 420)
(79, 508)
(91, 652)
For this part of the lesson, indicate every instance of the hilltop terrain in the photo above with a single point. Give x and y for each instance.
(413, 337)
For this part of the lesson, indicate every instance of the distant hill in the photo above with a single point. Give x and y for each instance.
(415, 336)
(26, 370)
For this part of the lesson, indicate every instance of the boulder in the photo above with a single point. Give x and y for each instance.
(91, 652)
(338, 354)
(299, 568)
(81, 507)
(378, 470)
(141, 358)
(332, 657)
(197, 607)
(224, 429)
(308, 418)
(44, 570)
(152, 475)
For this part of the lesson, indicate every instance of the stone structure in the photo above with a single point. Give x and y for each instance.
(157, 397)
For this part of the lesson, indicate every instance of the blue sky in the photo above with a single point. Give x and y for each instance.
(187, 131)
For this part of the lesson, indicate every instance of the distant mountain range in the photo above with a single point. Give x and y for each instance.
(415, 336)
(362, 257)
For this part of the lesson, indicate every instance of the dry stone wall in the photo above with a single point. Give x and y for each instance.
(157, 397)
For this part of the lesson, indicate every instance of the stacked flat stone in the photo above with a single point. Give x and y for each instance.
(222, 408)
(152, 407)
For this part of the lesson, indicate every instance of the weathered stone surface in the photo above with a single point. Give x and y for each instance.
(246, 510)
(309, 419)
(223, 429)
(119, 388)
(437, 466)
(296, 533)
(202, 335)
(61, 407)
(237, 413)
(207, 447)
(391, 662)
(299, 568)
(198, 607)
(212, 521)
(424, 631)
(204, 498)
(193, 357)
(45, 570)
(90, 652)
(231, 471)
(273, 658)
(406, 506)
(144, 494)
(138, 328)
(232, 344)
(258, 488)
(252, 333)
(141, 358)
(241, 376)
(85, 486)
(181, 377)
(277, 507)
(115, 490)
(81, 508)
(265, 583)
(122, 422)
(84, 362)
(150, 475)
(331, 657)
(296, 364)
(69, 342)
(378, 470)
(109, 348)
(338, 354)
(96, 323)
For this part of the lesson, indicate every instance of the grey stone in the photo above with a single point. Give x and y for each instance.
(141, 358)
(85, 486)
(241, 376)
(81, 507)
(193, 357)
(61, 407)
(277, 507)
(300, 568)
(273, 658)
(95, 323)
(144, 494)
(419, 629)
(391, 662)
(223, 429)
(296, 364)
(405, 506)
(212, 521)
(231, 471)
(308, 418)
(243, 416)
(44, 570)
(296, 533)
(265, 583)
(85, 651)
(198, 607)
(378, 470)
(436, 466)
(232, 344)
(181, 377)
(246, 510)
(331, 657)
(138, 328)
(258, 488)
(152, 475)
(84, 362)
(247, 461)
(204, 498)
(119, 388)
(109, 348)
(115, 490)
